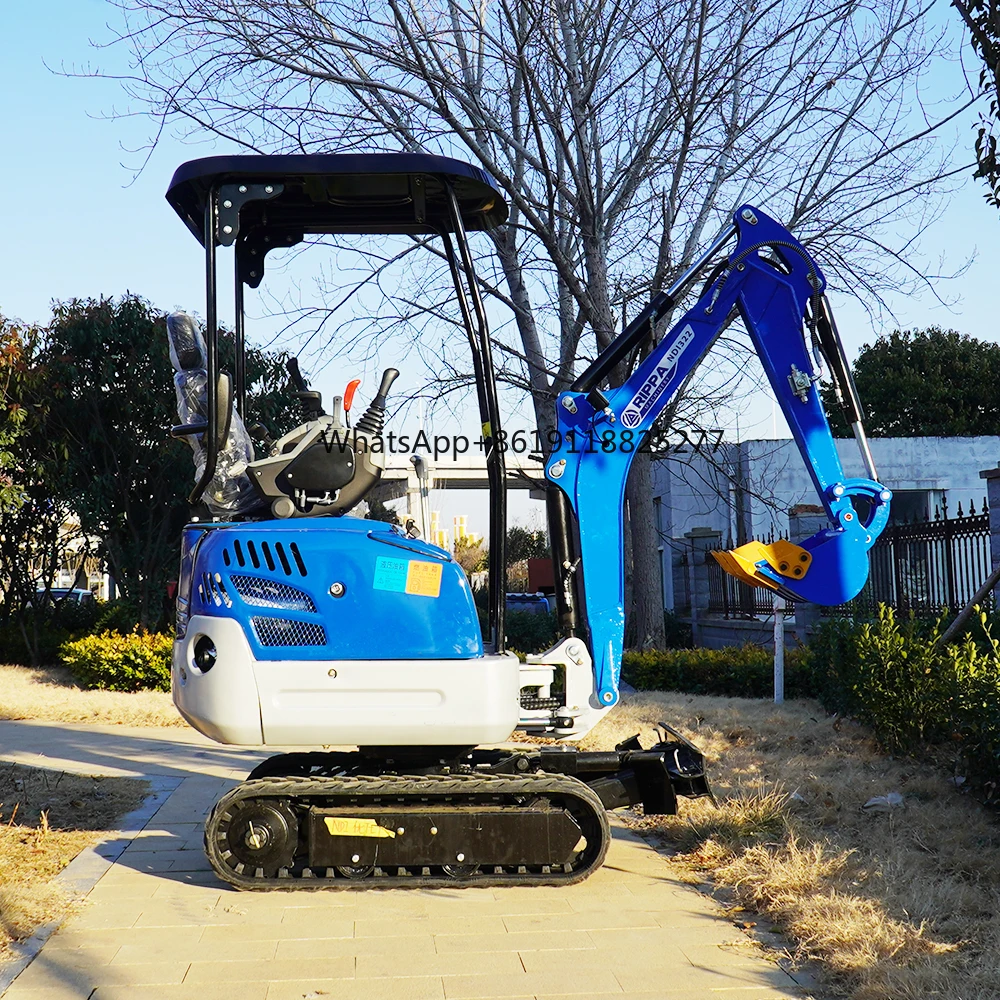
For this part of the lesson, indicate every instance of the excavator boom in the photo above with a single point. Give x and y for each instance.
(772, 282)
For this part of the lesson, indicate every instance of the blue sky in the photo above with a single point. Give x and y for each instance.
(77, 221)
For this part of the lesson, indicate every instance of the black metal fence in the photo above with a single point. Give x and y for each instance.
(929, 565)
(919, 566)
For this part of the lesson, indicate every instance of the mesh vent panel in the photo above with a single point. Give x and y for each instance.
(286, 632)
(271, 594)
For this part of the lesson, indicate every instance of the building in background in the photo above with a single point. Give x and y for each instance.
(438, 536)
(462, 534)
(744, 491)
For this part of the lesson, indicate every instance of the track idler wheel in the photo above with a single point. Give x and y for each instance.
(257, 837)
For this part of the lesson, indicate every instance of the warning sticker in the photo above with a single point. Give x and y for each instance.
(408, 576)
(390, 574)
(424, 578)
(348, 826)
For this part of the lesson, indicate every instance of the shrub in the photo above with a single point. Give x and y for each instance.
(31, 640)
(33, 635)
(975, 709)
(530, 632)
(119, 615)
(891, 674)
(897, 677)
(737, 671)
(115, 662)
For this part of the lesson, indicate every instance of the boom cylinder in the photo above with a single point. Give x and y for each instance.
(565, 561)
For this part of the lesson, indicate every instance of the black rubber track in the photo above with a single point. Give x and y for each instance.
(581, 800)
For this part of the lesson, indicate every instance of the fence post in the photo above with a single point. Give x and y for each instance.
(992, 477)
(949, 555)
(779, 649)
(700, 541)
(902, 597)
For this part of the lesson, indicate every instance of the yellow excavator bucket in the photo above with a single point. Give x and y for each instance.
(784, 557)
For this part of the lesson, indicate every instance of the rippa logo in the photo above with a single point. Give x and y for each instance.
(657, 381)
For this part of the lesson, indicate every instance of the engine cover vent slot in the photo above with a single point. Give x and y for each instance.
(264, 593)
(213, 591)
(299, 562)
(277, 556)
(285, 565)
(288, 632)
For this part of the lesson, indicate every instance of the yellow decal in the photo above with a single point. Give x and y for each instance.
(487, 430)
(424, 578)
(346, 826)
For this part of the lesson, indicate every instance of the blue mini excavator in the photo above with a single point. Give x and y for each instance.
(299, 625)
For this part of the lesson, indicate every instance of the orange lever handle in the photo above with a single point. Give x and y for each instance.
(352, 388)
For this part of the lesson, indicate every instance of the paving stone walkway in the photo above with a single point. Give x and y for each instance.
(158, 925)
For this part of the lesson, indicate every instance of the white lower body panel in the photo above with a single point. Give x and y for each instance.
(342, 702)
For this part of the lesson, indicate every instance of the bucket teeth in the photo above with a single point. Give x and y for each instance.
(782, 557)
(740, 562)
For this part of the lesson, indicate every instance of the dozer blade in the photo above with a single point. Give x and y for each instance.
(828, 568)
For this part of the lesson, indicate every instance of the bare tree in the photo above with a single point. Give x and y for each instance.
(621, 132)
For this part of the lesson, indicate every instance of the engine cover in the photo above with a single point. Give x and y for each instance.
(324, 589)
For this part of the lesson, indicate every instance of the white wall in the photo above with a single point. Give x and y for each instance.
(700, 490)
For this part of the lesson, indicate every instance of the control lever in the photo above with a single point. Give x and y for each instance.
(261, 432)
(374, 417)
(352, 388)
(311, 401)
(388, 377)
(292, 364)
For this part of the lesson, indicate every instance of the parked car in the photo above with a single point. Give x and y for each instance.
(535, 604)
(58, 595)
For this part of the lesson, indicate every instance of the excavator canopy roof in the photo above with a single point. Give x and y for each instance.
(336, 193)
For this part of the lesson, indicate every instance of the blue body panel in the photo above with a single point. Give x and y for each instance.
(597, 446)
(399, 598)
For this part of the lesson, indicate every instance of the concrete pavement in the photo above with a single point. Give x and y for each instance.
(158, 924)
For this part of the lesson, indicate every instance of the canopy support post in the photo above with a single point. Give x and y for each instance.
(210, 441)
(489, 413)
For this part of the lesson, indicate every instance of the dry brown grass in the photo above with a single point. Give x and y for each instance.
(50, 695)
(895, 906)
(46, 819)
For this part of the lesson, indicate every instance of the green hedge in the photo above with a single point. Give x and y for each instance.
(530, 632)
(895, 675)
(737, 671)
(35, 635)
(115, 662)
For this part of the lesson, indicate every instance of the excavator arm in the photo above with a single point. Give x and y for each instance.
(771, 281)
